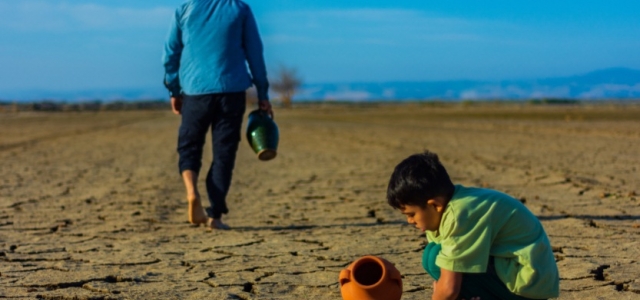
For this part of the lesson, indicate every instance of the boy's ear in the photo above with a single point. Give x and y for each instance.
(439, 203)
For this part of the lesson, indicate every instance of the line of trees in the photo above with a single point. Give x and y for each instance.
(53, 106)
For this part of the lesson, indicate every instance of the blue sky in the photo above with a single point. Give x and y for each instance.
(88, 44)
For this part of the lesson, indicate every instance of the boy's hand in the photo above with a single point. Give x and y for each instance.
(434, 291)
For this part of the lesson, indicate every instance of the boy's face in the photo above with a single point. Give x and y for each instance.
(424, 218)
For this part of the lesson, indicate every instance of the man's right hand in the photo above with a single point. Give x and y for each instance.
(176, 105)
(266, 106)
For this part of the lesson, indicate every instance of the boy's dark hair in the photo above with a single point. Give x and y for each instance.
(418, 178)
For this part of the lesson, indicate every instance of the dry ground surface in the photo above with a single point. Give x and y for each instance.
(92, 206)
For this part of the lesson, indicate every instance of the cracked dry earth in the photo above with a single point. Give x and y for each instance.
(92, 207)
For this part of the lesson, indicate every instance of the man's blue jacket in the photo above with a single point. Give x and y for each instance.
(209, 46)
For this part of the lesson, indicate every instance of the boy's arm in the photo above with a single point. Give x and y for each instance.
(448, 286)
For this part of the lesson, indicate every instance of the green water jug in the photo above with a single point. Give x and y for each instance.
(262, 134)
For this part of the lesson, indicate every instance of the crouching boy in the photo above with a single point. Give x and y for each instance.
(481, 243)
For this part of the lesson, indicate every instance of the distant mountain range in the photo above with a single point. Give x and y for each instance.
(613, 83)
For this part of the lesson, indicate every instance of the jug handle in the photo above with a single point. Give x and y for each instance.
(344, 277)
(263, 113)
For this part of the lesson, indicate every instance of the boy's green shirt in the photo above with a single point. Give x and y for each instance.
(478, 223)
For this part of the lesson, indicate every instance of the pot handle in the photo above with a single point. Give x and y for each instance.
(345, 277)
(262, 113)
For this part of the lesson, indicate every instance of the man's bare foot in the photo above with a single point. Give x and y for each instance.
(196, 212)
(217, 224)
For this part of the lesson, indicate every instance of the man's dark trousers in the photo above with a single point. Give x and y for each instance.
(223, 113)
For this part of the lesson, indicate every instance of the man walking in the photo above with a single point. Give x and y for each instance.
(206, 54)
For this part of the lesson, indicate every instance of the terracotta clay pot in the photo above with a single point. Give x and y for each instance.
(371, 278)
(262, 134)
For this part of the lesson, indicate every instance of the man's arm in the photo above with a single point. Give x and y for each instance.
(448, 286)
(254, 54)
(171, 57)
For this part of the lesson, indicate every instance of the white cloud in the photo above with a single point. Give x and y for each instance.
(368, 14)
(397, 16)
(376, 26)
(50, 16)
(284, 38)
(611, 90)
(347, 95)
(514, 92)
(389, 93)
